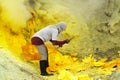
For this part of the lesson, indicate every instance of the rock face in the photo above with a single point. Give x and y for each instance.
(95, 21)
(115, 76)
(12, 69)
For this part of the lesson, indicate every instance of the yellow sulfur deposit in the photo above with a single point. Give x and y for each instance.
(84, 77)
(66, 75)
(30, 52)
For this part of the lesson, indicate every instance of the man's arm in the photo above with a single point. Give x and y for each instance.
(60, 43)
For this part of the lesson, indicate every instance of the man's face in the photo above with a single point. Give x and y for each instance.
(63, 27)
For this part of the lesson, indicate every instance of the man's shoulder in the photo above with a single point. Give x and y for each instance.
(52, 27)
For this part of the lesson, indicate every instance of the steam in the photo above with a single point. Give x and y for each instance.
(85, 9)
(14, 14)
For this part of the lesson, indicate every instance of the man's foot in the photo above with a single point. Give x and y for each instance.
(46, 74)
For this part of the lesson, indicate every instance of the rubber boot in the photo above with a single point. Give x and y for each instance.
(43, 67)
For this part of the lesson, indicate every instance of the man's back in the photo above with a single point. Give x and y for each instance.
(47, 33)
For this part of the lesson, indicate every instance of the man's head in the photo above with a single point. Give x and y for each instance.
(61, 26)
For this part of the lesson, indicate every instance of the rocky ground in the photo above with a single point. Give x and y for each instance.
(12, 69)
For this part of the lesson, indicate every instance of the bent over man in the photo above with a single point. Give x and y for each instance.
(49, 33)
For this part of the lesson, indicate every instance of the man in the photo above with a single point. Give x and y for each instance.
(48, 33)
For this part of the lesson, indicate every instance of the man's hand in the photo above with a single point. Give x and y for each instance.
(67, 41)
(60, 45)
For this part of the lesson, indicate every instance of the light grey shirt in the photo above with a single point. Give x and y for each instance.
(47, 33)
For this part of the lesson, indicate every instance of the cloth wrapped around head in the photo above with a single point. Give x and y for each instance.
(61, 26)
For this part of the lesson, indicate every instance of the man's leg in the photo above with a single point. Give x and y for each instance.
(44, 59)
